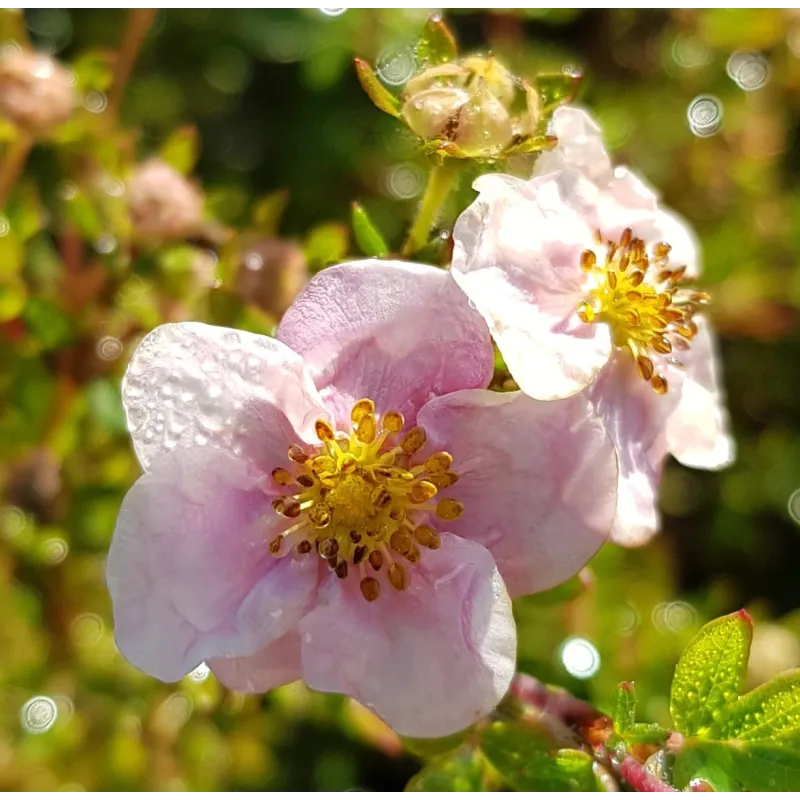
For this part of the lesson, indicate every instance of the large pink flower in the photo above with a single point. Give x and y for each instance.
(346, 504)
(583, 279)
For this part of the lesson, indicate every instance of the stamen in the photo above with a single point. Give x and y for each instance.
(370, 589)
(414, 440)
(303, 547)
(422, 491)
(659, 384)
(401, 542)
(376, 560)
(398, 577)
(297, 454)
(282, 476)
(329, 548)
(588, 260)
(439, 462)
(366, 429)
(324, 430)
(427, 537)
(360, 409)
(449, 509)
(393, 421)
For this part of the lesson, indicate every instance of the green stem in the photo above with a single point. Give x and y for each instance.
(440, 182)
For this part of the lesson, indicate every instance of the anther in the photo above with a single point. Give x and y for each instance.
(422, 491)
(661, 250)
(398, 577)
(320, 515)
(636, 278)
(443, 480)
(275, 545)
(671, 315)
(401, 542)
(376, 560)
(370, 589)
(598, 236)
(611, 277)
(366, 429)
(393, 421)
(341, 570)
(659, 384)
(354, 536)
(626, 237)
(585, 312)
(677, 274)
(303, 547)
(414, 440)
(449, 509)
(282, 477)
(413, 555)
(329, 548)
(360, 553)
(287, 507)
(324, 430)
(661, 345)
(664, 275)
(360, 409)
(381, 497)
(427, 537)
(306, 481)
(588, 260)
(439, 462)
(645, 367)
(320, 464)
(348, 464)
(297, 454)
(634, 296)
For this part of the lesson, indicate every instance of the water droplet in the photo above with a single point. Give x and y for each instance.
(4, 225)
(55, 550)
(332, 12)
(404, 181)
(704, 115)
(95, 102)
(749, 71)
(68, 190)
(794, 506)
(39, 714)
(253, 261)
(105, 244)
(580, 658)
(395, 67)
(108, 348)
(199, 673)
(12, 521)
(87, 629)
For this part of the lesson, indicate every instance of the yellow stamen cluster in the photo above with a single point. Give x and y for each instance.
(360, 502)
(642, 299)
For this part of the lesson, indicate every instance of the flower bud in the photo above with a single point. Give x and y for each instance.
(36, 93)
(162, 203)
(271, 275)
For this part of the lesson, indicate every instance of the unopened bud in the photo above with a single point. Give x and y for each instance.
(35, 91)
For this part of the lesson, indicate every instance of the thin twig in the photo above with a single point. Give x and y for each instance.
(139, 22)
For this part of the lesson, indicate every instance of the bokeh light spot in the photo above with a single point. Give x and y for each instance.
(580, 658)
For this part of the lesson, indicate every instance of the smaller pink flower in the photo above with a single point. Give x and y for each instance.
(346, 504)
(584, 281)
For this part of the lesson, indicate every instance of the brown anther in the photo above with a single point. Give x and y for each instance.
(637, 277)
(381, 497)
(439, 462)
(671, 315)
(282, 477)
(320, 515)
(661, 345)
(303, 547)
(449, 509)
(664, 275)
(588, 260)
(287, 507)
(341, 570)
(401, 542)
(664, 300)
(348, 464)
(324, 430)
(623, 262)
(398, 514)
(398, 577)
(700, 297)
(422, 491)
(625, 239)
(361, 408)
(633, 296)
(413, 555)
(661, 250)
(329, 548)
(443, 480)
(320, 464)
(367, 429)
(645, 367)
(376, 560)
(306, 481)
(427, 537)
(688, 330)
(632, 315)
(611, 277)
(598, 236)
(659, 384)
(360, 553)
(354, 536)
(297, 454)
(275, 545)
(393, 421)
(677, 274)
(611, 251)
(414, 440)
(370, 589)
(585, 312)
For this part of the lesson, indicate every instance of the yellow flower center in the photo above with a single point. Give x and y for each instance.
(361, 503)
(645, 303)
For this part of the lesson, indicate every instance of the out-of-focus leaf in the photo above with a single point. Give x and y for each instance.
(48, 323)
(530, 763)
(710, 672)
(564, 592)
(625, 707)
(429, 748)
(377, 92)
(25, 213)
(84, 214)
(770, 712)
(367, 236)
(268, 210)
(11, 249)
(326, 244)
(436, 45)
(93, 71)
(181, 149)
(556, 89)
(13, 294)
(105, 404)
(459, 772)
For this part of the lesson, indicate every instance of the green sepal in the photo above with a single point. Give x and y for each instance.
(436, 45)
(367, 236)
(377, 92)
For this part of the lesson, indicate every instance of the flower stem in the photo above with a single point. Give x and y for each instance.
(440, 182)
(12, 163)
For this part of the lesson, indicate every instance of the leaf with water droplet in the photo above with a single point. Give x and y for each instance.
(462, 771)
(703, 760)
(646, 733)
(367, 236)
(377, 92)
(710, 672)
(436, 45)
(769, 713)
(625, 707)
(557, 88)
(533, 144)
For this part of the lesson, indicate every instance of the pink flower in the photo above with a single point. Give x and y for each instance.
(583, 280)
(345, 503)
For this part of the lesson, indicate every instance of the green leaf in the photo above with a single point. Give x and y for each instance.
(699, 760)
(48, 323)
(436, 45)
(326, 244)
(11, 250)
(711, 672)
(625, 707)
(377, 92)
(367, 236)
(556, 89)
(769, 713)
(105, 405)
(646, 733)
(268, 210)
(462, 771)
(181, 149)
(528, 761)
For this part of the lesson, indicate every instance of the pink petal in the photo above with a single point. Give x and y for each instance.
(517, 258)
(698, 431)
(430, 660)
(538, 480)
(190, 384)
(189, 569)
(635, 418)
(394, 332)
(274, 665)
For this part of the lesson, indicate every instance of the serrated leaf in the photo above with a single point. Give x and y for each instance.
(529, 762)
(181, 149)
(459, 772)
(367, 236)
(436, 45)
(377, 92)
(711, 672)
(625, 707)
(769, 713)
(556, 89)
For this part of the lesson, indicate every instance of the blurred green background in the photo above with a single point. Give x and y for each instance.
(264, 110)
